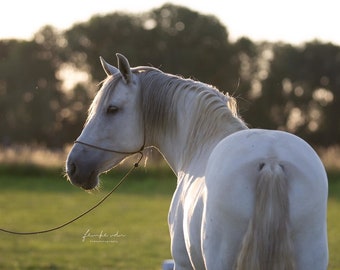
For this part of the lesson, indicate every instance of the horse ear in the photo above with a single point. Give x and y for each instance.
(124, 67)
(109, 69)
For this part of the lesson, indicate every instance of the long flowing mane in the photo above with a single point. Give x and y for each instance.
(163, 96)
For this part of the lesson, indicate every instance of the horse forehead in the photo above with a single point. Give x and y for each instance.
(117, 91)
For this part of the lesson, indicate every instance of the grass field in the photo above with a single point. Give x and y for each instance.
(129, 231)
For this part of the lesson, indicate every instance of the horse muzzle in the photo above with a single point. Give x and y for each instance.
(82, 170)
(81, 176)
(84, 165)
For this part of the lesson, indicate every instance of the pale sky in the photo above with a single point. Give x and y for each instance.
(293, 21)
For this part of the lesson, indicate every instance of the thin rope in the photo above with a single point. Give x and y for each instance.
(83, 214)
(110, 150)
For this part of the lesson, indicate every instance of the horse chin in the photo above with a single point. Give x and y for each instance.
(89, 183)
(93, 182)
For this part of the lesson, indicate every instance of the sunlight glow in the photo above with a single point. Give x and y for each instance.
(295, 119)
(71, 76)
(287, 86)
(323, 96)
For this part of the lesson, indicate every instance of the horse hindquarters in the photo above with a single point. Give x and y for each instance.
(267, 244)
(278, 174)
(236, 228)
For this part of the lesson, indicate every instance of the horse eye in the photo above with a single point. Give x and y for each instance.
(112, 109)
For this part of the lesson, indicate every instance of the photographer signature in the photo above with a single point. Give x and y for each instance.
(101, 237)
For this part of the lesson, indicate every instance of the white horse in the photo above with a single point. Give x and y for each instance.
(245, 198)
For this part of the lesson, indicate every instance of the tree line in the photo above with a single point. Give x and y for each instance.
(277, 85)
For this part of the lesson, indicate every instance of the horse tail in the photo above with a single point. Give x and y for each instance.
(267, 244)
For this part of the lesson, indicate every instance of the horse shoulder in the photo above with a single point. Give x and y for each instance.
(185, 217)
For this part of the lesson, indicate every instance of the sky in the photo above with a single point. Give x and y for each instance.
(291, 21)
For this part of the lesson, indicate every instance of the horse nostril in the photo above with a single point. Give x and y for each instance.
(71, 169)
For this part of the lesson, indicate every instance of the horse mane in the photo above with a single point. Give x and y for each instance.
(215, 113)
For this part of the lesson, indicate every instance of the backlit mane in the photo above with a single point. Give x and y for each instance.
(164, 95)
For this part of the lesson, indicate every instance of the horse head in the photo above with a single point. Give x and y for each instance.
(113, 130)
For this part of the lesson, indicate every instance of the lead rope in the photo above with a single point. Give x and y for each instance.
(86, 212)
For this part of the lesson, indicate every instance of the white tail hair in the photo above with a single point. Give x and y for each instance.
(267, 244)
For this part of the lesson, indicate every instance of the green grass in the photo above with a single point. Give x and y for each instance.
(135, 215)
(334, 220)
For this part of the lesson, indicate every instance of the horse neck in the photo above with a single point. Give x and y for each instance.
(186, 144)
(205, 141)
(184, 156)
